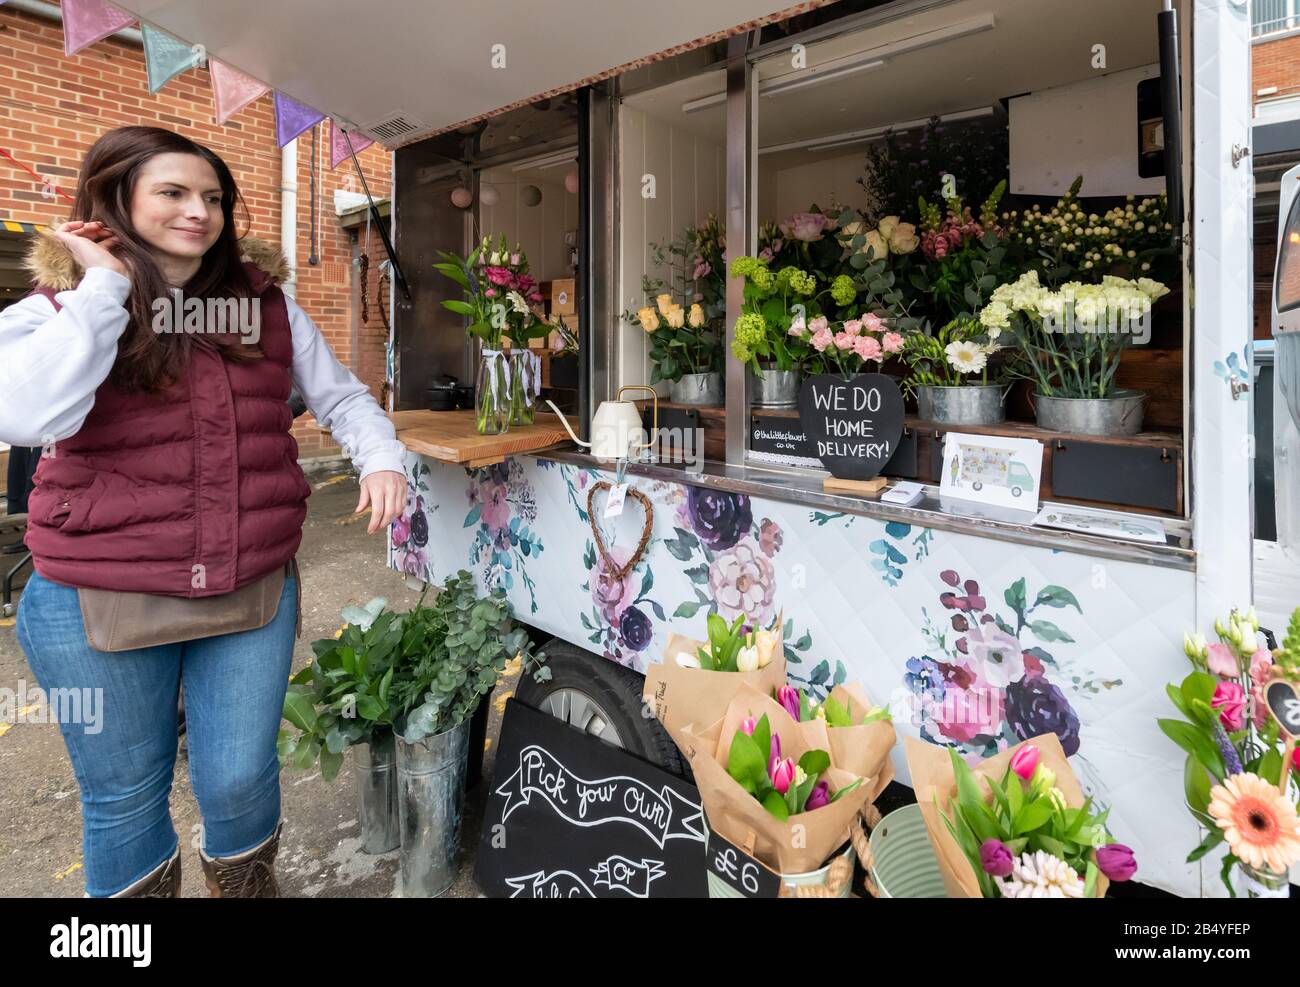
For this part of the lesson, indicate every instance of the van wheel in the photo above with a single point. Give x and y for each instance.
(602, 699)
(1015, 491)
(977, 485)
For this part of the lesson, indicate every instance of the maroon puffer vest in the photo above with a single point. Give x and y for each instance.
(194, 491)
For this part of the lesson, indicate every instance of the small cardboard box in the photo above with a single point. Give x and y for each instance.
(562, 297)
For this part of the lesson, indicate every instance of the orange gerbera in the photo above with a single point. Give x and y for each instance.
(1260, 825)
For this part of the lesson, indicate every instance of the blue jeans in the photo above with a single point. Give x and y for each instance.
(124, 757)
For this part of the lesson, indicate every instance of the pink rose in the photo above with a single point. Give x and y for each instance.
(844, 341)
(964, 714)
(1222, 660)
(1230, 700)
(498, 275)
(806, 226)
(868, 347)
(765, 255)
(821, 340)
(1024, 761)
(893, 342)
(491, 293)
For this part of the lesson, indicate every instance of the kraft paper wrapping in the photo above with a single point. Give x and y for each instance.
(932, 778)
(804, 841)
(862, 750)
(695, 697)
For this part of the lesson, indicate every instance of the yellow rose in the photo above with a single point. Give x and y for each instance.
(697, 317)
(665, 302)
(676, 316)
(887, 226)
(903, 240)
(879, 248)
(766, 642)
(649, 321)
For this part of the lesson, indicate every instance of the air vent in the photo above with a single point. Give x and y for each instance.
(394, 128)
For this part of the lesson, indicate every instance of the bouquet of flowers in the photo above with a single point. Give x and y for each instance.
(848, 347)
(686, 337)
(859, 734)
(511, 291)
(1236, 780)
(965, 256)
(773, 303)
(696, 681)
(1016, 825)
(477, 304)
(959, 353)
(1073, 338)
(768, 782)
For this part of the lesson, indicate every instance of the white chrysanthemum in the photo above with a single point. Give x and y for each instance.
(966, 357)
(1040, 875)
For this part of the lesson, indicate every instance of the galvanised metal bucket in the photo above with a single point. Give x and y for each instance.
(431, 798)
(1118, 415)
(976, 404)
(776, 388)
(375, 765)
(903, 864)
(697, 389)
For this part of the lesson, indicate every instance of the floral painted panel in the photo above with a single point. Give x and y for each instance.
(973, 643)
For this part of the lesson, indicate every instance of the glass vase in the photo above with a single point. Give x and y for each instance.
(492, 394)
(1255, 882)
(525, 383)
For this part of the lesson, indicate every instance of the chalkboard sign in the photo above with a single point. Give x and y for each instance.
(853, 423)
(780, 439)
(572, 816)
(1284, 703)
(740, 871)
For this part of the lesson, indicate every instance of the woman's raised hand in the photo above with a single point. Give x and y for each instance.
(91, 245)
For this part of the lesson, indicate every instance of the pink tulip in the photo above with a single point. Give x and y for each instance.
(1230, 700)
(995, 858)
(1024, 761)
(1222, 660)
(783, 775)
(789, 698)
(748, 725)
(774, 753)
(819, 796)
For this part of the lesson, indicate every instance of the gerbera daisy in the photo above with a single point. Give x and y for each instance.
(966, 357)
(1260, 825)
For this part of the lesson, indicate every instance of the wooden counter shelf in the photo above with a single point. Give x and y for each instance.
(450, 437)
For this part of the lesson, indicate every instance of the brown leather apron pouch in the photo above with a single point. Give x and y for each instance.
(125, 621)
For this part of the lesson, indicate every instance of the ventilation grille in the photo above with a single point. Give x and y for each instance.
(395, 127)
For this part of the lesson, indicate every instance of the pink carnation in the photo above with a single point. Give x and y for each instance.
(868, 347)
(844, 341)
(818, 323)
(871, 322)
(853, 326)
(893, 342)
(822, 339)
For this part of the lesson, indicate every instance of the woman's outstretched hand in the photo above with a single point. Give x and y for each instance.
(91, 245)
(385, 492)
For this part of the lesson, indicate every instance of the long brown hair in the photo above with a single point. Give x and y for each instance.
(147, 360)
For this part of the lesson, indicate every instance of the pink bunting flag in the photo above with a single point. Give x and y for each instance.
(292, 118)
(88, 21)
(232, 90)
(339, 145)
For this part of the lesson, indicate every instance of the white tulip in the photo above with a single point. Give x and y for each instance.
(747, 659)
(687, 660)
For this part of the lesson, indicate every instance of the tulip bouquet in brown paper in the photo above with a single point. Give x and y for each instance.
(858, 734)
(769, 785)
(1014, 826)
(697, 679)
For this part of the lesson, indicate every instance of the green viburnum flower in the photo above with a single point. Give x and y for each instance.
(751, 329)
(843, 290)
(793, 279)
(747, 267)
(742, 352)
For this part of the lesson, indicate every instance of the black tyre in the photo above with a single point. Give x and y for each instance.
(603, 699)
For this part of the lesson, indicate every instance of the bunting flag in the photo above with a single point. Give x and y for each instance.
(232, 90)
(292, 118)
(166, 57)
(88, 21)
(339, 146)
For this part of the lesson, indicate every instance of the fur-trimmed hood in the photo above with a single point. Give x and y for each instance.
(51, 265)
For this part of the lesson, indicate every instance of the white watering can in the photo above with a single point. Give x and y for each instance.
(616, 430)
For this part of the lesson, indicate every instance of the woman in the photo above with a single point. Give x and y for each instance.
(152, 367)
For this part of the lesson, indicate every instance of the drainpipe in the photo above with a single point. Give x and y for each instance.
(289, 214)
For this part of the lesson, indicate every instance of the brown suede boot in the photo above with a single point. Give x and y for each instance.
(164, 881)
(250, 874)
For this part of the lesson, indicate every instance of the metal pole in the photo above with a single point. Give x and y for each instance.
(741, 160)
(378, 220)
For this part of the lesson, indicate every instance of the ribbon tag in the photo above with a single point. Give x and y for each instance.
(614, 505)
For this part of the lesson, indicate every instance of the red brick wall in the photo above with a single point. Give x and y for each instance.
(53, 107)
(1275, 63)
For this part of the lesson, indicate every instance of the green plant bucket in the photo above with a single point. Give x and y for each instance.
(904, 865)
(718, 888)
